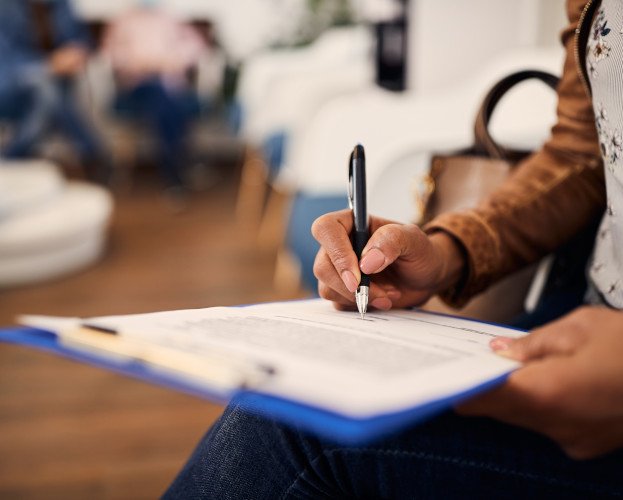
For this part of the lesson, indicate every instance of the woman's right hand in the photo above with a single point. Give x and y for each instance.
(406, 266)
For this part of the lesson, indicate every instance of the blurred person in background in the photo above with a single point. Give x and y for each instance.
(153, 55)
(43, 47)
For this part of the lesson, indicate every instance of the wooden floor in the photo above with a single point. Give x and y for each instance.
(73, 431)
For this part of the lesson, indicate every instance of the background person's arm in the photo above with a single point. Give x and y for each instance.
(71, 39)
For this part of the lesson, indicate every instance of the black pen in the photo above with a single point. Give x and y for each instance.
(357, 202)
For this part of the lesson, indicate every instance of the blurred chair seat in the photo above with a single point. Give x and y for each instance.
(391, 125)
(27, 184)
(56, 237)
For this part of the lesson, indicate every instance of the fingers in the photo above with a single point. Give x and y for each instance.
(338, 269)
(532, 397)
(339, 300)
(379, 298)
(559, 338)
(388, 243)
(333, 233)
(331, 287)
(563, 392)
(329, 279)
(539, 398)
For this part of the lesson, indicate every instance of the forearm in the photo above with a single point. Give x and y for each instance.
(545, 203)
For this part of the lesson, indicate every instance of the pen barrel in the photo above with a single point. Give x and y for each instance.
(365, 280)
(360, 240)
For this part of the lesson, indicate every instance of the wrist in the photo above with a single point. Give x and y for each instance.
(452, 261)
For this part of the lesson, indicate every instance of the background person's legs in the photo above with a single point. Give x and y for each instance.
(168, 114)
(174, 111)
(29, 103)
(91, 151)
(247, 456)
(35, 102)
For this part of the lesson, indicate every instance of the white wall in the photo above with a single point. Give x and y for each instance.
(243, 26)
(448, 38)
(452, 38)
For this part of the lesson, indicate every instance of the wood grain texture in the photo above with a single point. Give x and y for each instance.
(72, 431)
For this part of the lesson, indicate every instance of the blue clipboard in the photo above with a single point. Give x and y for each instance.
(326, 424)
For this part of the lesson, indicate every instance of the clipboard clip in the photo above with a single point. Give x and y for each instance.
(224, 371)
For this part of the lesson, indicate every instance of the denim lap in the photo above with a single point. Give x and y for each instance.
(248, 456)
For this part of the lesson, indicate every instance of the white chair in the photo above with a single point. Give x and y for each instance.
(279, 92)
(26, 184)
(261, 89)
(48, 228)
(390, 125)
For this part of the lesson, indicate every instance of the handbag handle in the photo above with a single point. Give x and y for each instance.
(483, 142)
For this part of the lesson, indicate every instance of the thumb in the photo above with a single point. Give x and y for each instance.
(388, 243)
(541, 343)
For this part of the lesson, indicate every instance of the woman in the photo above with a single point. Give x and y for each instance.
(524, 438)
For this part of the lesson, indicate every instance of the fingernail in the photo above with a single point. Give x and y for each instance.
(350, 281)
(382, 303)
(372, 261)
(499, 344)
(393, 294)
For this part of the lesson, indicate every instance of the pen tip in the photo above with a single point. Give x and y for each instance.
(361, 299)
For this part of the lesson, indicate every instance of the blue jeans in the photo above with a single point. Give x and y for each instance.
(168, 113)
(245, 456)
(36, 102)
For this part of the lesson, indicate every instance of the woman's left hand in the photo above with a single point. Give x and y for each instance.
(571, 386)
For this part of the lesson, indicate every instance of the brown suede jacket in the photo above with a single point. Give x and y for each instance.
(551, 195)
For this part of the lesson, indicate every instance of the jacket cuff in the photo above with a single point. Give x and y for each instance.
(481, 247)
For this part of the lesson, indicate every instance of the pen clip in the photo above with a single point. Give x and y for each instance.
(351, 188)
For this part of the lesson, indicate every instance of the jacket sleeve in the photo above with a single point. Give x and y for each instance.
(551, 195)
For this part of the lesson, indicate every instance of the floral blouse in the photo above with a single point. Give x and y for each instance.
(604, 61)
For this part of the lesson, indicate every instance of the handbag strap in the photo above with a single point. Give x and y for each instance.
(483, 142)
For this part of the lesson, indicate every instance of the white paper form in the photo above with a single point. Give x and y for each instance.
(332, 359)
